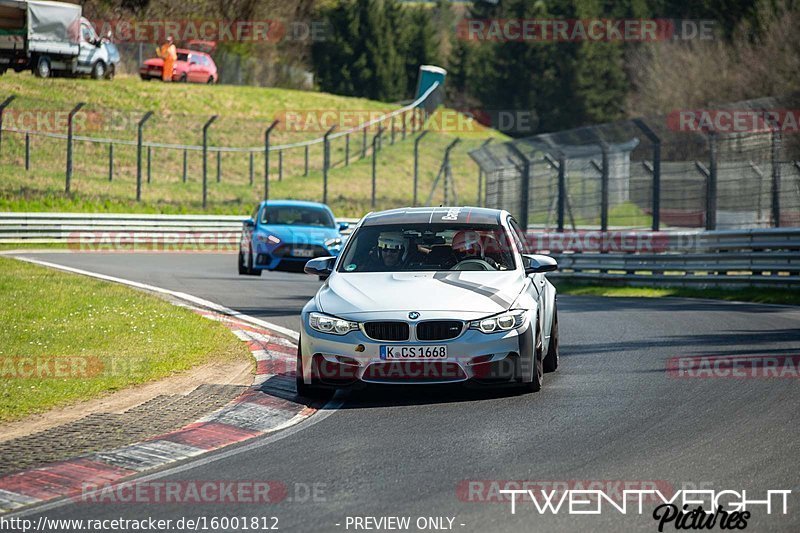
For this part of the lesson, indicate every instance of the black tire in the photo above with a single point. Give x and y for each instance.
(551, 360)
(243, 271)
(42, 68)
(250, 270)
(111, 72)
(210, 80)
(99, 70)
(183, 78)
(535, 384)
(307, 390)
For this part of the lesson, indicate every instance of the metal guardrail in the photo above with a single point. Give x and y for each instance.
(758, 257)
(47, 228)
(769, 257)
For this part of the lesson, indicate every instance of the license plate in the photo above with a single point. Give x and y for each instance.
(302, 252)
(411, 353)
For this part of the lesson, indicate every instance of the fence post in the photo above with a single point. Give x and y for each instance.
(656, 194)
(404, 115)
(776, 177)
(604, 188)
(347, 149)
(562, 190)
(139, 155)
(185, 164)
(326, 161)
(149, 160)
(219, 166)
(3, 107)
(110, 158)
(364, 143)
(374, 162)
(392, 126)
(27, 151)
(479, 202)
(69, 142)
(305, 168)
(526, 181)
(280, 165)
(251, 168)
(711, 183)
(266, 157)
(416, 164)
(205, 157)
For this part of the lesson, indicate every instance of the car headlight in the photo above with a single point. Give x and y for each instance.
(267, 239)
(330, 324)
(335, 242)
(502, 322)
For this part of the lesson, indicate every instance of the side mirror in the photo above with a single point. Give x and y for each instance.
(344, 226)
(249, 223)
(321, 266)
(538, 264)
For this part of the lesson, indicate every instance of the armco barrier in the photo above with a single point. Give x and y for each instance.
(758, 257)
(45, 228)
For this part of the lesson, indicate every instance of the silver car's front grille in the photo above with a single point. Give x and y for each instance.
(387, 331)
(439, 330)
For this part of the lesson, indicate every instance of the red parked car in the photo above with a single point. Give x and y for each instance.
(191, 66)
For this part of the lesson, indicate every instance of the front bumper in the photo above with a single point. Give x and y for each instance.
(342, 360)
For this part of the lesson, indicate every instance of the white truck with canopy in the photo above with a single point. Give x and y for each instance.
(52, 38)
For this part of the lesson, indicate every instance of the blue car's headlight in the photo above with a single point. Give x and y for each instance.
(330, 324)
(267, 239)
(334, 243)
(502, 322)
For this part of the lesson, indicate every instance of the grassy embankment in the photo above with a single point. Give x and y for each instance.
(67, 338)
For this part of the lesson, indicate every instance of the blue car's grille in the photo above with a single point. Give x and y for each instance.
(289, 250)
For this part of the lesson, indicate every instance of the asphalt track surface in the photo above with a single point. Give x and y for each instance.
(610, 413)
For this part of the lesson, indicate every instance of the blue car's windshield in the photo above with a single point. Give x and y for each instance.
(296, 216)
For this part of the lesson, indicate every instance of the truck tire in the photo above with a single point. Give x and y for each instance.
(42, 68)
(99, 70)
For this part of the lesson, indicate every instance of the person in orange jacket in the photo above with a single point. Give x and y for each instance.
(169, 54)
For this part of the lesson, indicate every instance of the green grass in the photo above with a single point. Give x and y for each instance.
(757, 295)
(244, 113)
(108, 336)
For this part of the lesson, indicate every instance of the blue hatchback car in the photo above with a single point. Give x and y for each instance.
(285, 234)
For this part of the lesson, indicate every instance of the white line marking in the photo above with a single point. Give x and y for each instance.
(180, 295)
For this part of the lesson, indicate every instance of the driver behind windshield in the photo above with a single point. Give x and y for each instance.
(391, 251)
(467, 246)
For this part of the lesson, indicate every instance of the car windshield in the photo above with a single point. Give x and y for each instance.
(296, 216)
(426, 247)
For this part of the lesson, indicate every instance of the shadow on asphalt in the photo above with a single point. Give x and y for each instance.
(377, 396)
(731, 342)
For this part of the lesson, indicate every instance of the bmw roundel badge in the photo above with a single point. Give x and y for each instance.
(413, 315)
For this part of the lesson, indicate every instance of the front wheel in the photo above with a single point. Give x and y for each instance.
(243, 271)
(551, 361)
(308, 390)
(535, 384)
(111, 72)
(99, 70)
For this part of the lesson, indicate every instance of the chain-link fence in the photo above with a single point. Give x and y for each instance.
(734, 166)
